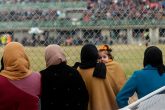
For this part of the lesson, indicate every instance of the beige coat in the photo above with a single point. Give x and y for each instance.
(118, 76)
(102, 92)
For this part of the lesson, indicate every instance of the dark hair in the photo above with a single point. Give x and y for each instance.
(153, 57)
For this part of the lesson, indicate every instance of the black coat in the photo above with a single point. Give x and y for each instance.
(63, 89)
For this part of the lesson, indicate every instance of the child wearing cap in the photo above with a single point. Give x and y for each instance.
(116, 72)
(105, 54)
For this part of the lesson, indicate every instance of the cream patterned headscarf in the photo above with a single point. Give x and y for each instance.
(16, 62)
(54, 55)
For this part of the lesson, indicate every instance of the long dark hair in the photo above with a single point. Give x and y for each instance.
(153, 56)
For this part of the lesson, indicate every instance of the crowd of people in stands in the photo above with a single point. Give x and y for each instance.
(34, 1)
(23, 15)
(126, 9)
(22, 1)
(96, 9)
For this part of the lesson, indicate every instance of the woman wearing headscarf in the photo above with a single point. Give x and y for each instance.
(62, 86)
(97, 80)
(146, 80)
(19, 86)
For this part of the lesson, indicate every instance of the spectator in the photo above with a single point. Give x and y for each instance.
(144, 81)
(113, 68)
(77, 40)
(87, 17)
(3, 39)
(101, 95)
(8, 38)
(69, 41)
(147, 38)
(20, 88)
(62, 86)
(97, 9)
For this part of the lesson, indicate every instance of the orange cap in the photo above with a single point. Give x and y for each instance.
(104, 47)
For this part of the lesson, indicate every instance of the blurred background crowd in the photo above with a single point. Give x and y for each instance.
(92, 11)
(95, 9)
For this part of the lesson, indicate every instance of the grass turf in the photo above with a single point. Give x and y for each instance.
(129, 56)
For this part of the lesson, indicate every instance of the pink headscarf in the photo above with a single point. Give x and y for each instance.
(54, 55)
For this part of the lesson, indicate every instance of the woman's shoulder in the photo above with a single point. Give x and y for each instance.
(58, 69)
(35, 75)
(139, 73)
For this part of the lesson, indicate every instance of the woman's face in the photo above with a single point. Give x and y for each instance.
(103, 57)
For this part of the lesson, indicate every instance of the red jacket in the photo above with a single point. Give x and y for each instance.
(13, 98)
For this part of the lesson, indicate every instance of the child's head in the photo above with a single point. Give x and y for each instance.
(105, 53)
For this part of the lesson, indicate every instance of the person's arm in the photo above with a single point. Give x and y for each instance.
(127, 91)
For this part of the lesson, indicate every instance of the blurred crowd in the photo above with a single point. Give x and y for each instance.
(23, 15)
(96, 10)
(21, 1)
(34, 1)
(126, 9)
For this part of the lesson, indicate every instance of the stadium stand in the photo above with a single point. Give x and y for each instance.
(21, 15)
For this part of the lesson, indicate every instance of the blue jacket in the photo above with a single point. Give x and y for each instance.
(142, 82)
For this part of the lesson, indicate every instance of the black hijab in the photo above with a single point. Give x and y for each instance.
(153, 56)
(2, 64)
(89, 57)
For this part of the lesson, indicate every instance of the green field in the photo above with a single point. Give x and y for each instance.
(129, 56)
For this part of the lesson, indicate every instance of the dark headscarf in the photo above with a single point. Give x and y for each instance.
(2, 65)
(89, 57)
(153, 57)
